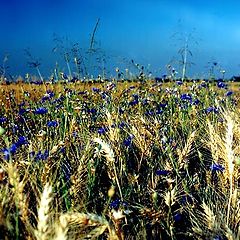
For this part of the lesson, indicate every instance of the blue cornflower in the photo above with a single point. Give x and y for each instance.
(149, 113)
(202, 85)
(41, 110)
(62, 150)
(21, 141)
(50, 93)
(128, 141)
(133, 102)
(102, 130)
(9, 151)
(97, 90)
(159, 111)
(115, 204)
(229, 93)
(3, 119)
(13, 148)
(121, 111)
(221, 85)
(179, 83)
(53, 123)
(92, 110)
(211, 109)
(215, 167)
(45, 155)
(135, 96)
(145, 102)
(74, 134)
(122, 124)
(186, 199)
(42, 155)
(162, 172)
(45, 98)
(177, 217)
(185, 96)
(6, 153)
(22, 111)
(163, 105)
(164, 76)
(38, 156)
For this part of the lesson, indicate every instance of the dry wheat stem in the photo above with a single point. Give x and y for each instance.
(110, 157)
(187, 148)
(43, 213)
(84, 220)
(229, 158)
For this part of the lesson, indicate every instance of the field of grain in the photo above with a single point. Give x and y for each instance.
(120, 160)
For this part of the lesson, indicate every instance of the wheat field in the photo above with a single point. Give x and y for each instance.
(120, 160)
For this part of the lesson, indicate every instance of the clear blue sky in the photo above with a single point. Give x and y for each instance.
(129, 29)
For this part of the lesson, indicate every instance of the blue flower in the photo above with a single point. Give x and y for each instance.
(196, 102)
(149, 113)
(6, 153)
(203, 85)
(41, 110)
(13, 148)
(3, 119)
(22, 111)
(122, 124)
(92, 110)
(50, 93)
(162, 172)
(187, 97)
(217, 238)
(21, 141)
(121, 111)
(179, 83)
(128, 141)
(229, 93)
(53, 123)
(177, 217)
(163, 105)
(221, 85)
(40, 155)
(97, 90)
(211, 109)
(133, 102)
(45, 98)
(186, 199)
(159, 111)
(115, 204)
(215, 167)
(45, 155)
(102, 130)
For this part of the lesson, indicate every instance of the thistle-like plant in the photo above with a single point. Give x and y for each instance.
(33, 62)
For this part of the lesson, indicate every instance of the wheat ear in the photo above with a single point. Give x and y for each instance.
(43, 214)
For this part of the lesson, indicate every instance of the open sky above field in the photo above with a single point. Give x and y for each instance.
(147, 31)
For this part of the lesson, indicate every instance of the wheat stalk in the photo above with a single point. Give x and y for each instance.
(110, 157)
(84, 220)
(210, 218)
(44, 213)
(186, 150)
(229, 158)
